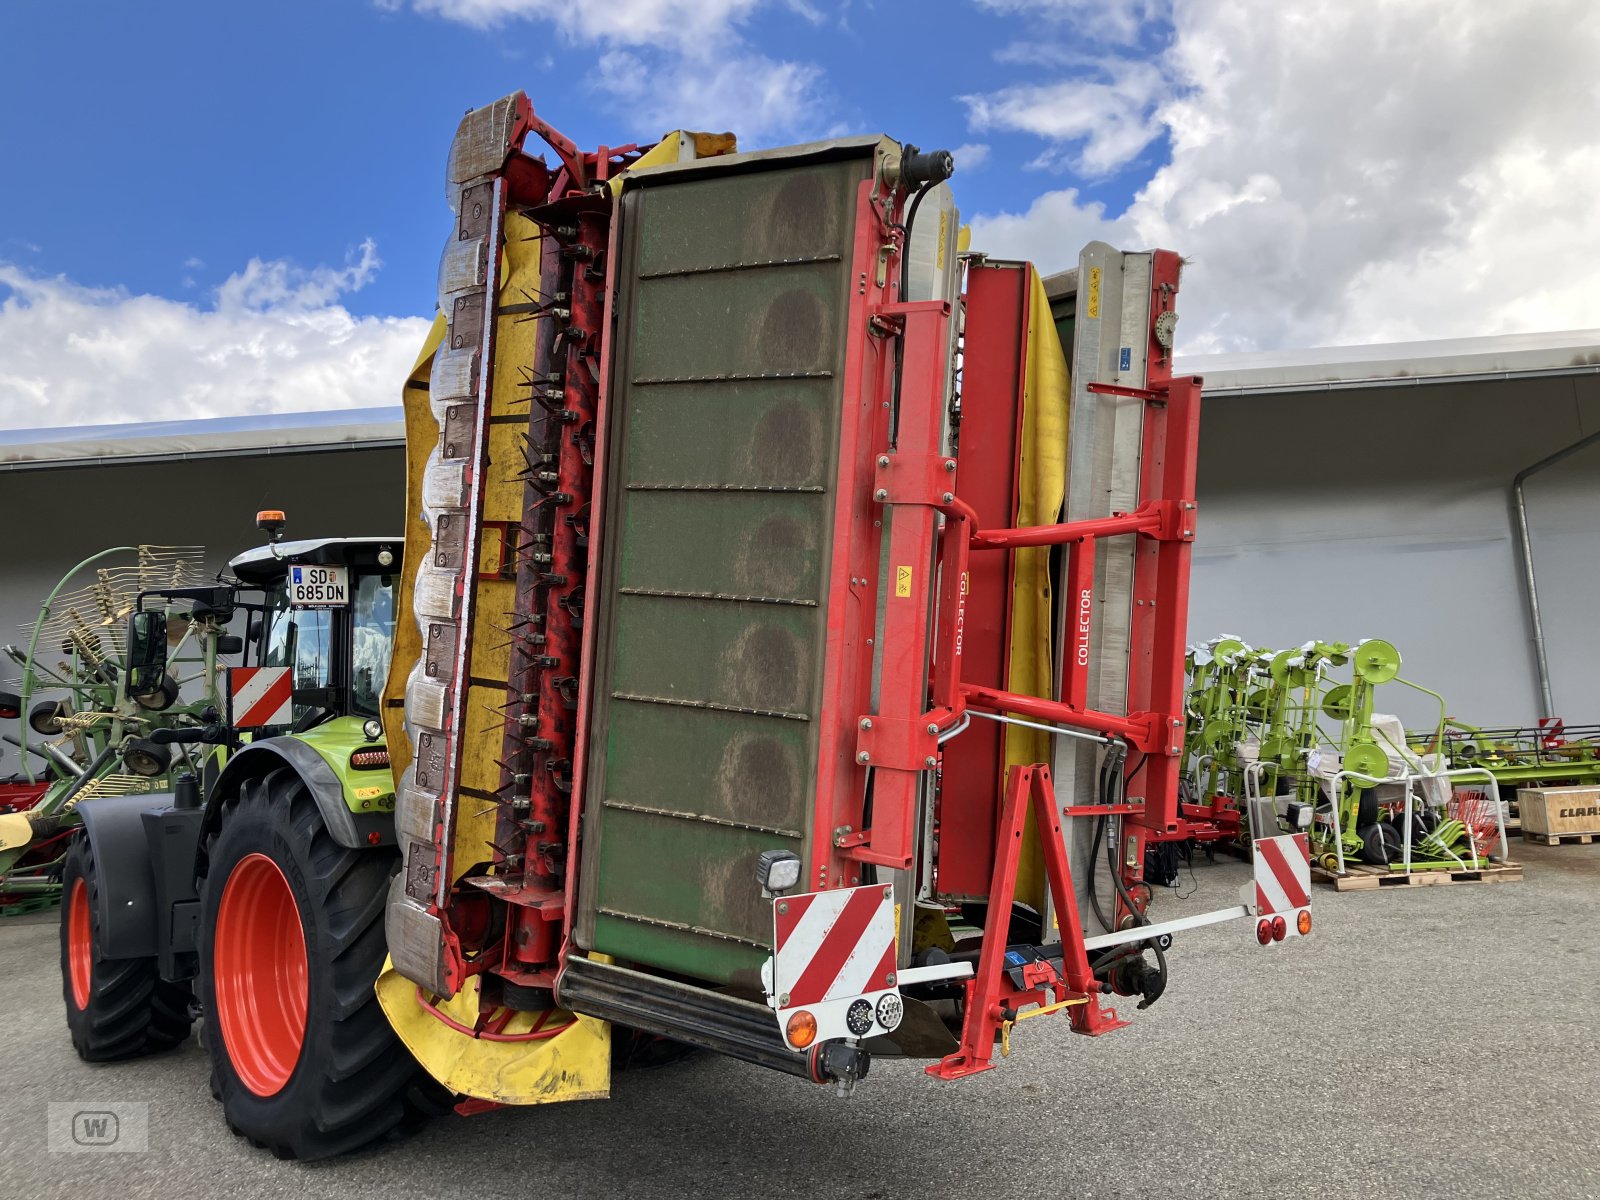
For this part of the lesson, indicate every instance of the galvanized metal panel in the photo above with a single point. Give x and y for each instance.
(1103, 476)
(717, 534)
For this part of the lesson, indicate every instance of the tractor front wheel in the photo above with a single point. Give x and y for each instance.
(116, 1007)
(291, 942)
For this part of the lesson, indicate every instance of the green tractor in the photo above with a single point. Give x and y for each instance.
(297, 818)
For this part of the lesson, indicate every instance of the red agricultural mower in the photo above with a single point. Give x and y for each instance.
(790, 655)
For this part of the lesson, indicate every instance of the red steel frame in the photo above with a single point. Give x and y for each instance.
(994, 373)
(852, 579)
(998, 992)
(898, 738)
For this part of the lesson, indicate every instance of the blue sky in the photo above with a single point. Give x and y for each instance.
(216, 208)
(167, 153)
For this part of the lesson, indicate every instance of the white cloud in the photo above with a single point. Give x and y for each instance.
(1050, 232)
(1113, 117)
(755, 97)
(970, 156)
(277, 284)
(626, 22)
(666, 64)
(1109, 20)
(276, 340)
(1351, 170)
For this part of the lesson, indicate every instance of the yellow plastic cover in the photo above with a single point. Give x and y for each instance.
(1041, 490)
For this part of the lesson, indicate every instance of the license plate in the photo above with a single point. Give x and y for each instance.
(319, 587)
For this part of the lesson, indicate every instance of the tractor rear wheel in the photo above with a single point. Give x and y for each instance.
(291, 942)
(116, 1008)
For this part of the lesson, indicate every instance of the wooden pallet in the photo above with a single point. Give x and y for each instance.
(1359, 877)
(1560, 839)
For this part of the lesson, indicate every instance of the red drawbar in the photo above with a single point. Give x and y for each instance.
(260, 974)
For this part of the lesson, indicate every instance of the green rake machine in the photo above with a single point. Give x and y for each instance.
(1293, 728)
(90, 715)
(1549, 754)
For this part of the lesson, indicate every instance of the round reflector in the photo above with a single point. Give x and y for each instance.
(1280, 929)
(1303, 922)
(859, 1017)
(1264, 931)
(801, 1029)
(890, 1011)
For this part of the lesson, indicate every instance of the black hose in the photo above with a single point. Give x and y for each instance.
(1116, 754)
(1094, 870)
(1108, 796)
(905, 282)
(1161, 965)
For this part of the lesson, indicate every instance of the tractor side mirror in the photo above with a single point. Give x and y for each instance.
(147, 652)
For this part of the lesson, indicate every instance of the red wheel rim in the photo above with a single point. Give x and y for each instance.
(260, 975)
(80, 946)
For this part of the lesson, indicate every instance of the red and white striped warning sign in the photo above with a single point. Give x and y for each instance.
(832, 950)
(833, 944)
(260, 696)
(1283, 874)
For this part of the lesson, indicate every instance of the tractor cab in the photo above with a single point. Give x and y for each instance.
(325, 611)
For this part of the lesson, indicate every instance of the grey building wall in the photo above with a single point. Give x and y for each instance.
(1386, 513)
(55, 518)
(1374, 513)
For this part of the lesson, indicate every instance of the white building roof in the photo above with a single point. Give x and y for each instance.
(1503, 356)
(214, 437)
(1506, 356)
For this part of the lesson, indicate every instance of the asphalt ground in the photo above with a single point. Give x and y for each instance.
(1422, 1042)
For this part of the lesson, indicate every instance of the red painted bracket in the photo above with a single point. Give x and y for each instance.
(915, 479)
(896, 743)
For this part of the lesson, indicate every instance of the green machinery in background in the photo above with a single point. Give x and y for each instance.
(1551, 754)
(86, 717)
(1304, 727)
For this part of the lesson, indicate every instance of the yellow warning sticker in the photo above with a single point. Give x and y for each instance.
(902, 582)
(367, 793)
(1092, 309)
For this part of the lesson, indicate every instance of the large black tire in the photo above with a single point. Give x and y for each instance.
(352, 1082)
(116, 1008)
